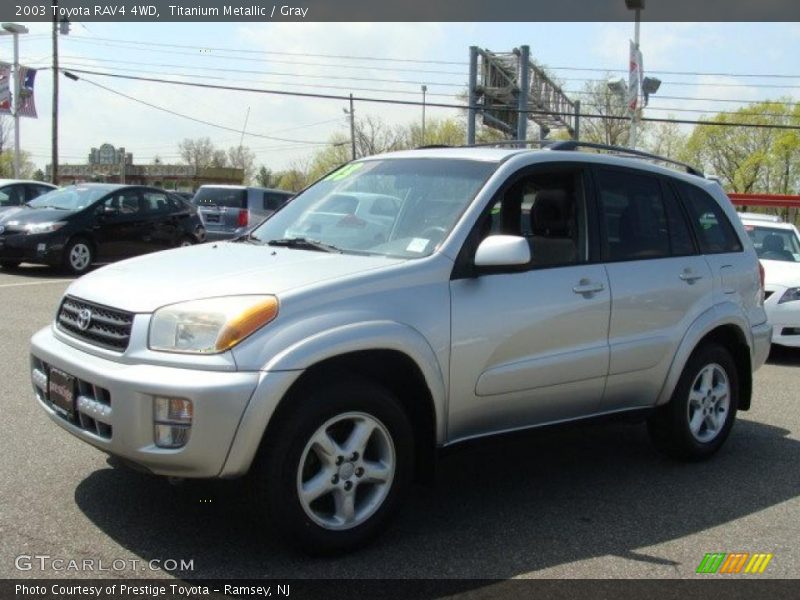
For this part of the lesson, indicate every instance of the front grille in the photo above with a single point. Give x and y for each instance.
(108, 327)
(92, 402)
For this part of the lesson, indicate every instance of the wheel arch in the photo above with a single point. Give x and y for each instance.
(729, 332)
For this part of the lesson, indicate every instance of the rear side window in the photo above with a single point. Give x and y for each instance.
(714, 232)
(221, 197)
(273, 201)
(634, 216)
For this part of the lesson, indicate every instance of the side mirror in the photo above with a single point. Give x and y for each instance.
(503, 251)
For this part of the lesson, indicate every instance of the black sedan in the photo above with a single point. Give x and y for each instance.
(81, 224)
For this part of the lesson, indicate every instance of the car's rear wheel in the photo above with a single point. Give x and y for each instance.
(698, 418)
(10, 264)
(78, 256)
(334, 468)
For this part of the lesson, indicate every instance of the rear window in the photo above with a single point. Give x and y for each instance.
(229, 198)
(714, 232)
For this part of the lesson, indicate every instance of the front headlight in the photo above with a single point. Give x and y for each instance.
(790, 295)
(209, 326)
(43, 227)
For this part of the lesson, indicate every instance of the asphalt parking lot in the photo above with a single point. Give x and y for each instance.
(591, 501)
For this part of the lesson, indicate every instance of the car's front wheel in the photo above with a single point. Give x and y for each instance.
(336, 466)
(78, 256)
(697, 420)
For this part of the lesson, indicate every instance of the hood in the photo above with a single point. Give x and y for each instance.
(23, 215)
(781, 272)
(148, 282)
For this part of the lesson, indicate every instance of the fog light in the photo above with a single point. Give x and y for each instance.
(171, 436)
(172, 421)
(173, 410)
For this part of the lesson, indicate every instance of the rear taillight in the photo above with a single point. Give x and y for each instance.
(244, 217)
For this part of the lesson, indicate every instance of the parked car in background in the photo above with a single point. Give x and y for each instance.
(230, 210)
(185, 195)
(16, 192)
(778, 246)
(81, 224)
(512, 289)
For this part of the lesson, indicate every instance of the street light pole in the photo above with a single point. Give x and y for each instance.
(15, 29)
(636, 6)
(424, 89)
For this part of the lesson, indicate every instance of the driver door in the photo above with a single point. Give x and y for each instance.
(530, 345)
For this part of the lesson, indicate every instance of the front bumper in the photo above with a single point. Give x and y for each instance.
(785, 320)
(115, 407)
(44, 248)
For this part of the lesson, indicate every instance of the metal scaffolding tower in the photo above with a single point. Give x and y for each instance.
(508, 90)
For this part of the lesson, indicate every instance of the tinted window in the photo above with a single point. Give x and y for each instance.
(155, 202)
(273, 201)
(12, 195)
(634, 216)
(680, 238)
(123, 203)
(714, 232)
(227, 197)
(34, 191)
(548, 210)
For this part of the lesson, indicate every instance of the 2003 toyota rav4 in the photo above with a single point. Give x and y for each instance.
(498, 289)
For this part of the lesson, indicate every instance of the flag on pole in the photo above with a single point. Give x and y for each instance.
(5, 88)
(26, 105)
(634, 77)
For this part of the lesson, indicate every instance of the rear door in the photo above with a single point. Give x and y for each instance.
(120, 225)
(220, 207)
(530, 345)
(659, 282)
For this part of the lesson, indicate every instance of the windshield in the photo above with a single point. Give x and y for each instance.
(73, 197)
(772, 243)
(395, 207)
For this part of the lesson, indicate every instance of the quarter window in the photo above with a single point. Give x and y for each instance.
(714, 232)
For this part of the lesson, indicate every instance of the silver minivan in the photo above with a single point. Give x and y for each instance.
(230, 210)
(500, 290)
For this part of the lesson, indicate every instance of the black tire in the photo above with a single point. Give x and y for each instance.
(10, 264)
(277, 469)
(670, 428)
(70, 261)
(186, 241)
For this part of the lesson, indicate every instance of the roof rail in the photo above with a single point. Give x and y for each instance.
(432, 146)
(520, 143)
(574, 145)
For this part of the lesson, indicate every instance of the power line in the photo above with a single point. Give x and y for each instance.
(693, 73)
(411, 103)
(196, 120)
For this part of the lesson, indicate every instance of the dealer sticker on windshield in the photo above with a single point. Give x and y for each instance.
(417, 245)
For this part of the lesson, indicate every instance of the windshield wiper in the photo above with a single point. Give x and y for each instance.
(303, 244)
(247, 237)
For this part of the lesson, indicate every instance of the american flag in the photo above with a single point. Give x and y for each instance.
(26, 106)
(5, 91)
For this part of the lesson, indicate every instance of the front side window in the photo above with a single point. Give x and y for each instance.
(11, 195)
(714, 232)
(547, 209)
(394, 207)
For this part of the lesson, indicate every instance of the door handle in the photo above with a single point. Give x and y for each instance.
(689, 276)
(588, 287)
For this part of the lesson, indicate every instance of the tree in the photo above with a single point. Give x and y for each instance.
(198, 152)
(242, 157)
(265, 177)
(666, 139)
(38, 175)
(750, 159)
(26, 166)
(613, 125)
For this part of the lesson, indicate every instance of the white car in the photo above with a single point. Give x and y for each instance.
(778, 246)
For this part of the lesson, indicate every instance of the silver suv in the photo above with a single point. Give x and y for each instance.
(505, 289)
(228, 211)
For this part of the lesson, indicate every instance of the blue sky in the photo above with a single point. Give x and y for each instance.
(91, 116)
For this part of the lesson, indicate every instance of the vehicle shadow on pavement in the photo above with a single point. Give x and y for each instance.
(500, 508)
(37, 272)
(788, 357)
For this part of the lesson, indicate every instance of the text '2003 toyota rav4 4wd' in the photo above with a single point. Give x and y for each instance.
(407, 302)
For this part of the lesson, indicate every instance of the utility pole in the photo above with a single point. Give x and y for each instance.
(352, 114)
(424, 89)
(54, 133)
(636, 6)
(472, 97)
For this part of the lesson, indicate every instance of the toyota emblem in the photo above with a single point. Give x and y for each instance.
(84, 319)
